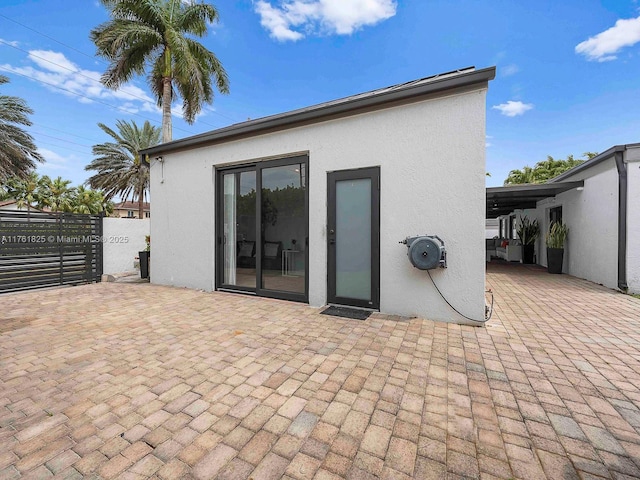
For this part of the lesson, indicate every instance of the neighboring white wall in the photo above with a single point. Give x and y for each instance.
(491, 228)
(632, 156)
(123, 239)
(432, 159)
(591, 251)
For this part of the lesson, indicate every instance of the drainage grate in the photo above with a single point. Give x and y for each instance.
(346, 312)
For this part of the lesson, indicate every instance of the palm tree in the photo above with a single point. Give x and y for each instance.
(88, 201)
(56, 194)
(154, 32)
(25, 191)
(120, 169)
(18, 155)
(546, 170)
(526, 175)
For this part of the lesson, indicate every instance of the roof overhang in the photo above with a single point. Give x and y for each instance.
(504, 200)
(377, 99)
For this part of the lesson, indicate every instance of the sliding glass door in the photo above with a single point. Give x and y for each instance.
(239, 229)
(263, 229)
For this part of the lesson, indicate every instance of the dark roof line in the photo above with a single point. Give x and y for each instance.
(413, 89)
(593, 161)
(129, 205)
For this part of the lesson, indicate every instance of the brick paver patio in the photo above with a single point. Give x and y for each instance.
(132, 381)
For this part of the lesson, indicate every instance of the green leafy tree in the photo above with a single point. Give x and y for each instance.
(56, 194)
(520, 176)
(155, 34)
(89, 201)
(119, 165)
(18, 152)
(26, 191)
(545, 170)
(43, 193)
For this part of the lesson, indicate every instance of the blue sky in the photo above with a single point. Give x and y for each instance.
(568, 76)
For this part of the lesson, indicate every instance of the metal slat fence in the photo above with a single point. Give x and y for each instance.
(42, 249)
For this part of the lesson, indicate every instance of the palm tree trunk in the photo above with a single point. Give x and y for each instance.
(141, 200)
(166, 110)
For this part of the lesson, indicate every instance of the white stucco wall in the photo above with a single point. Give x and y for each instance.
(123, 239)
(591, 251)
(632, 156)
(432, 160)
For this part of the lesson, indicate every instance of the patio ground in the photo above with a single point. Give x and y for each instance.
(134, 380)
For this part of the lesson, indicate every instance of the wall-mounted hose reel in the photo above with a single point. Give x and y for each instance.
(426, 252)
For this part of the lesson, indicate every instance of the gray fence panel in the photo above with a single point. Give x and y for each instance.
(41, 249)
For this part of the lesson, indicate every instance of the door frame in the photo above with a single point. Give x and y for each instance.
(258, 166)
(354, 174)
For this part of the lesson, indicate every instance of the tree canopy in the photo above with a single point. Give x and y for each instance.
(44, 193)
(119, 167)
(18, 152)
(155, 35)
(546, 169)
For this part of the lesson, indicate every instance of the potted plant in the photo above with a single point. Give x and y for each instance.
(528, 231)
(556, 237)
(144, 257)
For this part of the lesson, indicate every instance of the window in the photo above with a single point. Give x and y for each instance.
(130, 214)
(512, 227)
(555, 215)
(147, 214)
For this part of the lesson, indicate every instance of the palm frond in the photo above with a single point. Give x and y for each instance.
(117, 163)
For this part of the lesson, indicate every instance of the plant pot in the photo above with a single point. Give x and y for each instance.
(528, 252)
(554, 260)
(144, 263)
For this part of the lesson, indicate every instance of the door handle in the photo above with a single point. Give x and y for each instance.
(332, 238)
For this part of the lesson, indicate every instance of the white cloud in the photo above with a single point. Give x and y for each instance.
(293, 19)
(513, 109)
(11, 43)
(509, 70)
(603, 46)
(54, 161)
(60, 75)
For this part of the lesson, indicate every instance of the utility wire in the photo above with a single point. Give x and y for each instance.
(62, 140)
(66, 133)
(76, 71)
(88, 98)
(61, 146)
(52, 39)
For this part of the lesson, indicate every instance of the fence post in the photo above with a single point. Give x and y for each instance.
(100, 247)
(60, 241)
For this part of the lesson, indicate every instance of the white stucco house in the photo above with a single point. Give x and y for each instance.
(310, 205)
(598, 200)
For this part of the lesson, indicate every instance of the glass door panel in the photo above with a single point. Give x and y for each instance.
(353, 239)
(239, 228)
(283, 228)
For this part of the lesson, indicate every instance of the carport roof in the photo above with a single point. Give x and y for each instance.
(504, 200)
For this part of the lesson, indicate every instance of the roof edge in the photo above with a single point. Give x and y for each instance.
(466, 77)
(607, 154)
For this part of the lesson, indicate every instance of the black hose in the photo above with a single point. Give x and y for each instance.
(487, 317)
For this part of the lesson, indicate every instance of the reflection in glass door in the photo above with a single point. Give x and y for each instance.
(239, 227)
(284, 226)
(263, 224)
